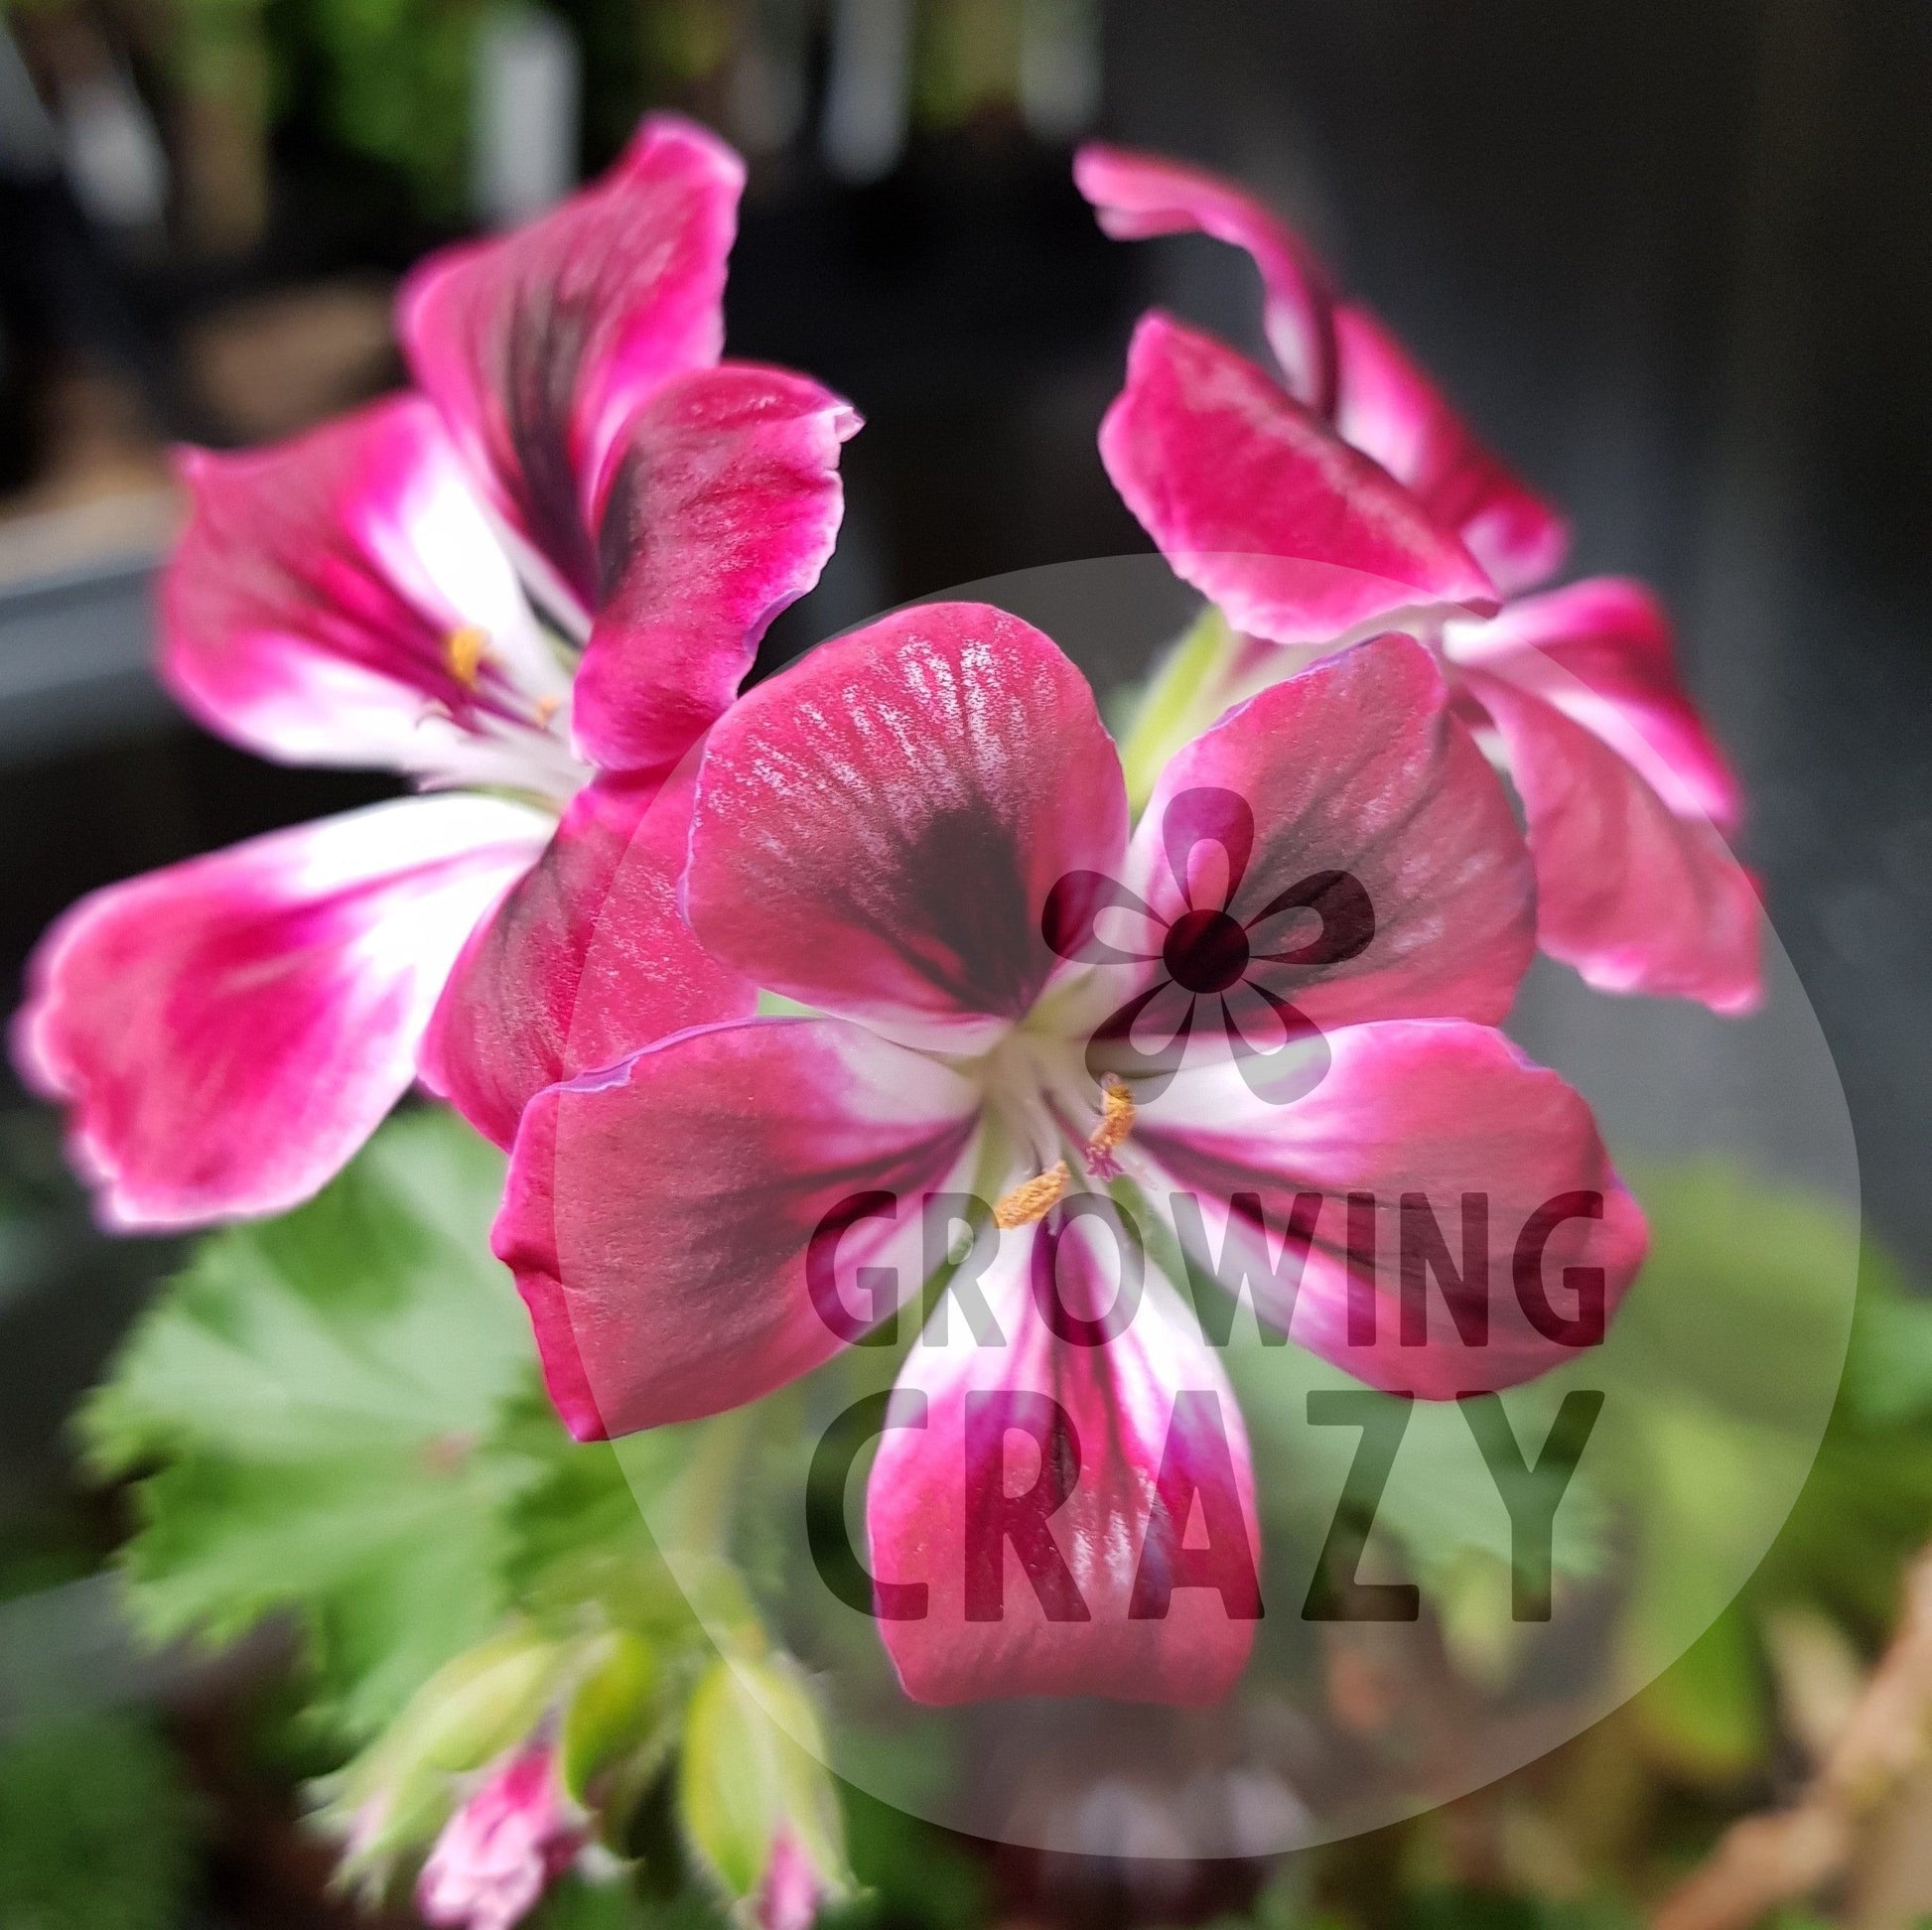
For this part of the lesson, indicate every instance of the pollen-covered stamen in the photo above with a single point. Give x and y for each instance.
(1034, 1199)
(1116, 1121)
(463, 650)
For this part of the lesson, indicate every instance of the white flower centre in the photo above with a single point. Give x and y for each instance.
(1054, 1119)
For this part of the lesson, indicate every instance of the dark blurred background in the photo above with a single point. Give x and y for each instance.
(1670, 255)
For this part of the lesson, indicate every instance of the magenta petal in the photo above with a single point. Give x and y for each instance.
(1634, 897)
(229, 1030)
(586, 960)
(1341, 361)
(1601, 652)
(538, 347)
(1386, 876)
(1139, 195)
(1389, 409)
(722, 502)
(879, 828)
(1253, 501)
(1078, 1508)
(660, 1216)
(1415, 1121)
(308, 609)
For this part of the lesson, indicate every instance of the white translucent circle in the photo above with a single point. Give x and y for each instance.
(1717, 1376)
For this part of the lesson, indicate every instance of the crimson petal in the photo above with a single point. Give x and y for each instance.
(1373, 812)
(1138, 194)
(1087, 1582)
(228, 1031)
(1636, 898)
(878, 829)
(588, 959)
(720, 507)
(308, 610)
(1601, 652)
(660, 1216)
(541, 345)
(1340, 360)
(1389, 409)
(1330, 1201)
(1258, 504)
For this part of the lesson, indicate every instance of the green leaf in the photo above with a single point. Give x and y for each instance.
(610, 1709)
(97, 1829)
(753, 1766)
(311, 1407)
(1708, 1714)
(910, 1872)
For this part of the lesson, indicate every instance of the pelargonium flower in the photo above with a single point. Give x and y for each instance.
(541, 579)
(502, 1848)
(1346, 493)
(891, 832)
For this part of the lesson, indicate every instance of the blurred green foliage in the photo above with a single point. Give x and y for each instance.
(336, 1417)
(307, 1414)
(99, 1830)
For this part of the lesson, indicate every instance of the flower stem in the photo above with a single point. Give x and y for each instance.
(1186, 692)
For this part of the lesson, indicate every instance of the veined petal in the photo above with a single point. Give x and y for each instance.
(1258, 504)
(228, 1031)
(310, 605)
(1138, 194)
(586, 960)
(1338, 360)
(660, 1216)
(541, 345)
(720, 507)
(1389, 409)
(1428, 1144)
(1349, 825)
(1601, 652)
(879, 828)
(1076, 1503)
(1634, 897)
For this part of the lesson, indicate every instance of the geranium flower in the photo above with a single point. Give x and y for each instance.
(514, 1836)
(542, 577)
(884, 833)
(1257, 491)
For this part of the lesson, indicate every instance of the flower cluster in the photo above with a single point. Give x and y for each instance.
(759, 992)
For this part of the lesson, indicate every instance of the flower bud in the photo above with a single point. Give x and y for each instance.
(789, 1897)
(514, 1836)
(758, 1803)
(400, 1792)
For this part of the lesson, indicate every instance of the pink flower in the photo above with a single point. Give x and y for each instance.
(1261, 492)
(496, 1855)
(891, 832)
(545, 576)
